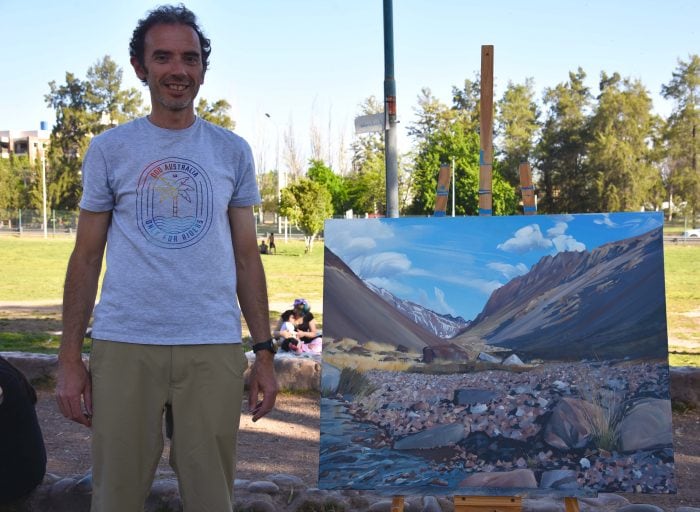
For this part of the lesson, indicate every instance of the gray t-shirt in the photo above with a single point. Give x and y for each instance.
(170, 276)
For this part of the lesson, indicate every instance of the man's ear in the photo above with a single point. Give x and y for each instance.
(138, 68)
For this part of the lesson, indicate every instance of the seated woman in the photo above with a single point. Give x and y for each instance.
(306, 329)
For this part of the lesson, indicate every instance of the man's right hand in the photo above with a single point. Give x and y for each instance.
(74, 391)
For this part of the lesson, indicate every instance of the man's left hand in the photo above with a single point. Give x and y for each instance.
(262, 380)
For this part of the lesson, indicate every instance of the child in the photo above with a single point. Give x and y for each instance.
(287, 332)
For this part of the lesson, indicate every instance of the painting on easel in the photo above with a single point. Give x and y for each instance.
(481, 355)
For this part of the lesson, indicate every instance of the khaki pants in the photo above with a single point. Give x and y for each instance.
(131, 385)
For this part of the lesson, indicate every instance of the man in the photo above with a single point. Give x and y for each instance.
(170, 196)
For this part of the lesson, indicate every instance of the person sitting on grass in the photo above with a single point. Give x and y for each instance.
(306, 329)
(287, 332)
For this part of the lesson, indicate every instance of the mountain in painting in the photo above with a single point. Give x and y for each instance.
(605, 303)
(352, 310)
(444, 326)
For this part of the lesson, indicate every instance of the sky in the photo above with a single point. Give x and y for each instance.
(314, 62)
(451, 265)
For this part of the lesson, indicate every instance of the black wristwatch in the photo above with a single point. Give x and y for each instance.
(268, 345)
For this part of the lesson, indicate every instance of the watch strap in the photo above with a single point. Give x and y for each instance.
(268, 345)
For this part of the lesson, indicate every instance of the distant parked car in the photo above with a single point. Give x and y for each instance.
(691, 233)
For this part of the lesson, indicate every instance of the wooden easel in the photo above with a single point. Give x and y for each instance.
(527, 189)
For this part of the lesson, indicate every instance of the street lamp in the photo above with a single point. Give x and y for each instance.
(40, 148)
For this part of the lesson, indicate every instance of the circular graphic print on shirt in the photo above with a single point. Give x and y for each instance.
(174, 203)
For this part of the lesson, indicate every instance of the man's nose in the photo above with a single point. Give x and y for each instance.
(177, 67)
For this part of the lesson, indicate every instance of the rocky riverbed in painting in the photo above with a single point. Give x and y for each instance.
(554, 427)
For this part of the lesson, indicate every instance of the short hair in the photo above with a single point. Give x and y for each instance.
(167, 15)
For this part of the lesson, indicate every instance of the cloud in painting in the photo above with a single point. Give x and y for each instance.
(558, 229)
(509, 271)
(357, 237)
(526, 239)
(530, 238)
(437, 302)
(605, 221)
(383, 264)
(563, 242)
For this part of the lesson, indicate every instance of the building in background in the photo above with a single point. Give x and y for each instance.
(23, 143)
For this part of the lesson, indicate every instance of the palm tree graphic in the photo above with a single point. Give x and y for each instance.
(174, 190)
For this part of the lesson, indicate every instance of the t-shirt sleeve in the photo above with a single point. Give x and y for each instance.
(245, 192)
(98, 195)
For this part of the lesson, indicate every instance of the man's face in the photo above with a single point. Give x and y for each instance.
(172, 67)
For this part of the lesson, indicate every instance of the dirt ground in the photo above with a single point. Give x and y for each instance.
(287, 440)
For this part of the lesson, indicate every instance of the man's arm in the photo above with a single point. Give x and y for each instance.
(73, 387)
(252, 296)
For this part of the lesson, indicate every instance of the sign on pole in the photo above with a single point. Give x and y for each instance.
(370, 123)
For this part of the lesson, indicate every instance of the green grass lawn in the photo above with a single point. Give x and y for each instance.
(33, 269)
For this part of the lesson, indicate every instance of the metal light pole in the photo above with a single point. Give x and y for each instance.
(390, 151)
(45, 224)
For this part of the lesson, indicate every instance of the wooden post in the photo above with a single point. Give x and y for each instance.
(527, 189)
(486, 132)
(571, 504)
(443, 190)
(397, 504)
(488, 503)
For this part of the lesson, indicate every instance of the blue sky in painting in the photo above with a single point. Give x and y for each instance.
(452, 264)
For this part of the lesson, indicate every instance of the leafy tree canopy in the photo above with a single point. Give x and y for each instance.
(216, 112)
(307, 204)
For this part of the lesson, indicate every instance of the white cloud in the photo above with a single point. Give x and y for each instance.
(442, 306)
(526, 239)
(436, 302)
(509, 271)
(348, 238)
(484, 286)
(356, 246)
(564, 243)
(383, 264)
(606, 221)
(558, 229)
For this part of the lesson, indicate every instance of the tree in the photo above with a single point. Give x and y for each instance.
(468, 102)
(269, 191)
(681, 136)
(620, 156)
(83, 109)
(564, 183)
(445, 134)
(292, 156)
(517, 125)
(366, 183)
(307, 204)
(17, 179)
(366, 187)
(217, 113)
(105, 97)
(70, 137)
(324, 176)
